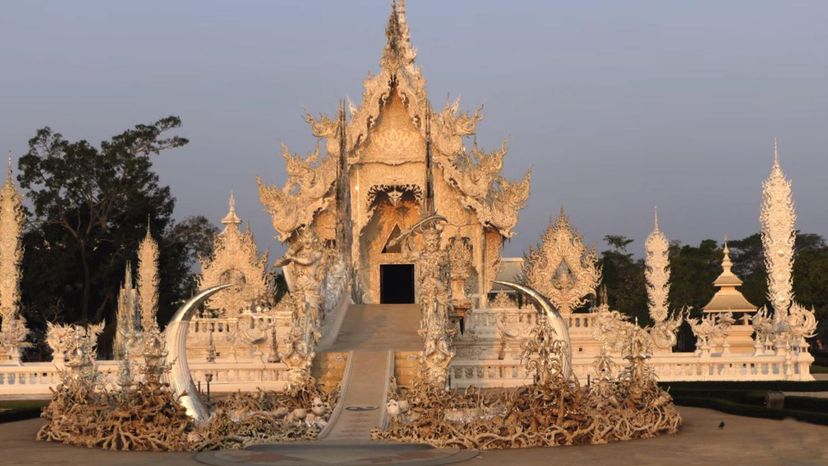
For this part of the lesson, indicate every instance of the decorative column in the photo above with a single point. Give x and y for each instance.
(778, 236)
(127, 318)
(148, 281)
(657, 275)
(13, 329)
(657, 272)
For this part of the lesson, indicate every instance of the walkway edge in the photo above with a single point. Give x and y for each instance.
(340, 403)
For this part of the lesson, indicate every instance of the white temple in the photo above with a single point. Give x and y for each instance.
(397, 208)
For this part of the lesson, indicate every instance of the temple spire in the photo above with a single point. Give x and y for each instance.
(148, 280)
(775, 153)
(398, 51)
(657, 272)
(9, 168)
(778, 220)
(655, 219)
(231, 218)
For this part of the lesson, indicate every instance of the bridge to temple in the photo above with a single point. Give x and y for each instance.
(371, 333)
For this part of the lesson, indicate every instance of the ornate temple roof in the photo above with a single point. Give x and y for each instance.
(475, 175)
(728, 298)
(235, 259)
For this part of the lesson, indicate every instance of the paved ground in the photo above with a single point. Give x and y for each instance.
(743, 441)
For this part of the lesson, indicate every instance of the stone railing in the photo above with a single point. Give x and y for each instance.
(35, 379)
(490, 318)
(673, 367)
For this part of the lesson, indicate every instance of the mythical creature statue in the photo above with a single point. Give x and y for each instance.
(460, 261)
(763, 326)
(13, 334)
(611, 328)
(302, 269)
(802, 324)
(711, 329)
(73, 347)
(434, 295)
(664, 332)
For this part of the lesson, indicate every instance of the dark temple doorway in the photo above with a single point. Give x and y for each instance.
(397, 283)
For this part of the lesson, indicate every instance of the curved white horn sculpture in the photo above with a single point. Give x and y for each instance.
(181, 380)
(558, 324)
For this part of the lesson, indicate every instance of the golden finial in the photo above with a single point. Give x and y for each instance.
(231, 218)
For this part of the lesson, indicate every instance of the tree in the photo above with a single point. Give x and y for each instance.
(692, 272)
(624, 279)
(90, 207)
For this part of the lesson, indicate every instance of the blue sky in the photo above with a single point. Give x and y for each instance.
(617, 106)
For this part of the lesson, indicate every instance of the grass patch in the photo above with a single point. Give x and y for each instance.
(817, 369)
(748, 398)
(19, 410)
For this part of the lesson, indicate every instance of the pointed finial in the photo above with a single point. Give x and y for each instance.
(231, 218)
(655, 219)
(398, 50)
(9, 169)
(726, 262)
(128, 274)
(775, 152)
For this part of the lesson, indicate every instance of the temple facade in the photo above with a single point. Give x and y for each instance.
(387, 163)
(398, 205)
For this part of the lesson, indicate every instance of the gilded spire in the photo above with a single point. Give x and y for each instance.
(231, 218)
(778, 219)
(148, 280)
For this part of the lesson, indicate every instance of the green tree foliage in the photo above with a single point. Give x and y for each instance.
(89, 208)
(692, 272)
(623, 276)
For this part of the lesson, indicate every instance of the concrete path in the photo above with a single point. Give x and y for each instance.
(371, 333)
(379, 327)
(362, 406)
(743, 441)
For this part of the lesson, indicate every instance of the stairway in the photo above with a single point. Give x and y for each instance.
(371, 333)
